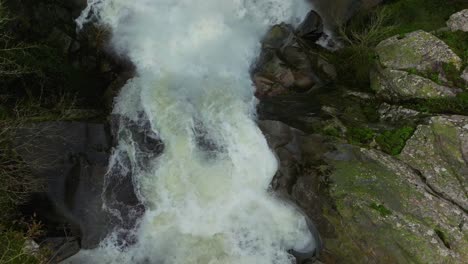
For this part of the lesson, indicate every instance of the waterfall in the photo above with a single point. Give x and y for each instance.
(206, 195)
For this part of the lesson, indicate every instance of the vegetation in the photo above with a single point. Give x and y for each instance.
(360, 135)
(393, 141)
(383, 211)
(365, 30)
(18, 248)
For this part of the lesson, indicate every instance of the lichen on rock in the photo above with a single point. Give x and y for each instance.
(439, 151)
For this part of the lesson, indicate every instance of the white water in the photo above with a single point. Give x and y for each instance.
(193, 59)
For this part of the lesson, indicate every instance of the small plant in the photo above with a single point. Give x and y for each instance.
(383, 211)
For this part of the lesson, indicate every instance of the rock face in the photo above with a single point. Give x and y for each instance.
(459, 21)
(72, 157)
(414, 67)
(439, 150)
(368, 206)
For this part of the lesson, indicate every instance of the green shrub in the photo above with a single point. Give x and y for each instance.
(360, 35)
(393, 141)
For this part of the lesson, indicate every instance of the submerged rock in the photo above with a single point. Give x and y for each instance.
(459, 21)
(439, 150)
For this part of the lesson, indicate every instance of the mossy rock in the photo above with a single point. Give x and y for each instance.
(398, 85)
(384, 213)
(439, 150)
(417, 50)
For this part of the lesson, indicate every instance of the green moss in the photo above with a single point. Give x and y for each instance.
(360, 135)
(332, 131)
(393, 141)
(383, 211)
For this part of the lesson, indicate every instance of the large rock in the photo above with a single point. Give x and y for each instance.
(368, 206)
(396, 85)
(418, 50)
(416, 66)
(311, 29)
(459, 21)
(439, 150)
(72, 157)
(290, 61)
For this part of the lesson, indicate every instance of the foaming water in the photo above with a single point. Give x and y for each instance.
(206, 196)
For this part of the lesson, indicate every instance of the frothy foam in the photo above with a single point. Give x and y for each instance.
(206, 196)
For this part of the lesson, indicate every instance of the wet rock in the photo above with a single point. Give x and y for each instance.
(439, 151)
(72, 157)
(277, 36)
(397, 85)
(459, 21)
(418, 50)
(311, 29)
(61, 248)
(290, 62)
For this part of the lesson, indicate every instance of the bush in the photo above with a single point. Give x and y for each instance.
(360, 35)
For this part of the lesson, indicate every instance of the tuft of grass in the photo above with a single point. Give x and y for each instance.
(393, 141)
(383, 211)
